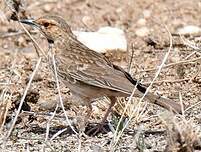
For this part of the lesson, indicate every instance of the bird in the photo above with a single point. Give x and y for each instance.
(89, 74)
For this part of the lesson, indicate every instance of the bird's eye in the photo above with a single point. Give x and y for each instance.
(46, 24)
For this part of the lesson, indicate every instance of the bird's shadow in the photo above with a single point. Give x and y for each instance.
(90, 129)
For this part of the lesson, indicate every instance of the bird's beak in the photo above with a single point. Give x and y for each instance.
(30, 22)
(33, 23)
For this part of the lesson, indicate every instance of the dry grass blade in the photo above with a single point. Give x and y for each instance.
(57, 134)
(190, 61)
(5, 103)
(60, 98)
(48, 124)
(23, 97)
(125, 109)
(48, 128)
(131, 59)
(61, 101)
(14, 6)
(2, 113)
(191, 45)
(174, 81)
(136, 110)
(192, 106)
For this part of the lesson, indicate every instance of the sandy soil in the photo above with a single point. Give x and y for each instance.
(151, 18)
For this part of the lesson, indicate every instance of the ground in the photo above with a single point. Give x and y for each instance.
(147, 25)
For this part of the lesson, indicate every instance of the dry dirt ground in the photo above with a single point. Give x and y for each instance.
(180, 81)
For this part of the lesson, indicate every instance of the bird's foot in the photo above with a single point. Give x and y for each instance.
(95, 130)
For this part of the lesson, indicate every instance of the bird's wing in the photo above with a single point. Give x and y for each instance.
(92, 68)
(100, 76)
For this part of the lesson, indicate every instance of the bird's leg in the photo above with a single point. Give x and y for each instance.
(100, 126)
(89, 111)
(112, 102)
(86, 119)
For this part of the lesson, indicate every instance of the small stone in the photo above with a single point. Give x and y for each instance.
(105, 39)
(96, 148)
(141, 22)
(47, 8)
(142, 32)
(5, 46)
(21, 41)
(146, 13)
(110, 134)
(87, 20)
(189, 29)
(119, 10)
(47, 104)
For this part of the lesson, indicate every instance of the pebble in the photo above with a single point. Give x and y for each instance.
(21, 41)
(47, 8)
(47, 104)
(147, 13)
(141, 22)
(105, 39)
(5, 46)
(87, 20)
(189, 29)
(142, 31)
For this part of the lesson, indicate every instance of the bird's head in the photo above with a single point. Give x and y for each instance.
(53, 27)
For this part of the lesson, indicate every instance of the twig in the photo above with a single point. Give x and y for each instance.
(116, 137)
(11, 34)
(34, 41)
(9, 81)
(41, 114)
(147, 90)
(59, 92)
(23, 97)
(172, 81)
(4, 105)
(159, 69)
(61, 101)
(13, 9)
(190, 55)
(174, 64)
(181, 103)
(191, 45)
(58, 133)
(48, 123)
(190, 107)
(48, 128)
(131, 59)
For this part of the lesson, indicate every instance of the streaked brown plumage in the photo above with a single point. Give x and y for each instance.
(88, 74)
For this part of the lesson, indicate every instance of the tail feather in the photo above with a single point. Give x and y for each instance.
(164, 102)
(155, 99)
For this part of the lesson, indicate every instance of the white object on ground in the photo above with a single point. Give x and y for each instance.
(189, 29)
(105, 39)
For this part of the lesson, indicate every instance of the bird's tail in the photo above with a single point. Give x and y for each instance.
(164, 102)
(155, 99)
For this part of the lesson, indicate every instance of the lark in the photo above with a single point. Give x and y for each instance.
(88, 74)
